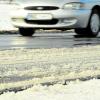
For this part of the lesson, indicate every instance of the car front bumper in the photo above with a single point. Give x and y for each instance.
(64, 19)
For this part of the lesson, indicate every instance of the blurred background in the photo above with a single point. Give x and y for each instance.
(6, 1)
(6, 6)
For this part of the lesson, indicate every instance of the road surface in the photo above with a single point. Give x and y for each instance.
(46, 40)
(47, 57)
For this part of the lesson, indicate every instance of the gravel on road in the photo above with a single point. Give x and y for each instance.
(34, 66)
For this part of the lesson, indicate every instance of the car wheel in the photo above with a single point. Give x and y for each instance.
(26, 31)
(93, 25)
(80, 31)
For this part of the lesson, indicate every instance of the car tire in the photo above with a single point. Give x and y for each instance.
(93, 27)
(26, 31)
(80, 31)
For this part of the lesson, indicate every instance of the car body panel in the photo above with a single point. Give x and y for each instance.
(67, 18)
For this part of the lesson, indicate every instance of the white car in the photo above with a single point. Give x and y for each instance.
(81, 15)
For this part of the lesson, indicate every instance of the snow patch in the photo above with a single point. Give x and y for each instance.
(5, 20)
(89, 90)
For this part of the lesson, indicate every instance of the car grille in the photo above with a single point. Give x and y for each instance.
(41, 8)
(42, 22)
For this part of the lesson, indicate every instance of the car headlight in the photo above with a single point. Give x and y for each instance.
(18, 8)
(73, 5)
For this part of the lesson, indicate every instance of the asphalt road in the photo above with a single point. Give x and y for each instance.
(46, 40)
(16, 66)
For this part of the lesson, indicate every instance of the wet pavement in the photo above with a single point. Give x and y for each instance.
(24, 65)
(47, 40)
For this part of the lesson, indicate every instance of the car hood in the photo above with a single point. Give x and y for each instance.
(58, 3)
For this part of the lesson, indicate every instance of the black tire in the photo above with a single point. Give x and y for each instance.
(26, 31)
(80, 31)
(91, 30)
